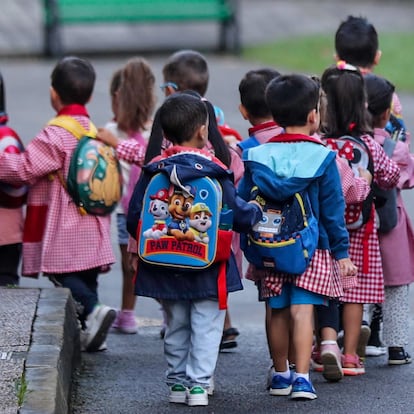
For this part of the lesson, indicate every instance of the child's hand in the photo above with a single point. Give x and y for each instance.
(347, 268)
(133, 262)
(107, 137)
(257, 204)
(365, 174)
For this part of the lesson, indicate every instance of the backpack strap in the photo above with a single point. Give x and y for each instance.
(73, 126)
(77, 130)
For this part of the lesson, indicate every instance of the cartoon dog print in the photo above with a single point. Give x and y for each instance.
(159, 210)
(200, 221)
(179, 205)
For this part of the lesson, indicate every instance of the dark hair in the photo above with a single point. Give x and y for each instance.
(379, 92)
(290, 98)
(346, 111)
(181, 115)
(221, 150)
(356, 41)
(136, 95)
(73, 79)
(252, 91)
(188, 69)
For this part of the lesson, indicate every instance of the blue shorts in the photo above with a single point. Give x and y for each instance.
(293, 295)
(123, 235)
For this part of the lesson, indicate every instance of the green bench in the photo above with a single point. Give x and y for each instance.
(68, 12)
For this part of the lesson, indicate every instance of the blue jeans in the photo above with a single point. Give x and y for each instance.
(83, 286)
(192, 340)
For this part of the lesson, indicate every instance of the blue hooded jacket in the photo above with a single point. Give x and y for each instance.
(290, 163)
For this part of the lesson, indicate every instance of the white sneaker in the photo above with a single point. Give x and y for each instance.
(178, 394)
(98, 324)
(197, 396)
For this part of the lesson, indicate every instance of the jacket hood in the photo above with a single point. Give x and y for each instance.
(188, 164)
(282, 169)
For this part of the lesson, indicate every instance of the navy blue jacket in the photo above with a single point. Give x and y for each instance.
(175, 283)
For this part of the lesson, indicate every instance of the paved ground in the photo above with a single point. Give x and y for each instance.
(127, 378)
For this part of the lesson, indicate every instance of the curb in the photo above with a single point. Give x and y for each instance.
(53, 355)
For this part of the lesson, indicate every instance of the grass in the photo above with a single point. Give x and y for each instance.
(313, 54)
(21, 390)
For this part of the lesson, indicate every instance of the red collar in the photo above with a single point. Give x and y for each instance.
(74, 109)
(264, 125)
(295, 138)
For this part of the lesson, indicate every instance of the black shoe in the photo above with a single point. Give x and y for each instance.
(398, 356)
(228, 341)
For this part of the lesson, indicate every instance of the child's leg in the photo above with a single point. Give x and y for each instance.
(177, 340)
(302, 322)
(352, 319)
(396, 314)
(279, 337)
(9, 264)
(128, 287)
(207, 322)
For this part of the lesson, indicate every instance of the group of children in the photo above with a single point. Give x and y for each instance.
(295, 119)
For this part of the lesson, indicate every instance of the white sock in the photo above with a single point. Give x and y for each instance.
(299, 375)
(285, 374)
(328, 342)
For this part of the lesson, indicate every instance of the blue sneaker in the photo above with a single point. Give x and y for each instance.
(303, 389)
(280, 385)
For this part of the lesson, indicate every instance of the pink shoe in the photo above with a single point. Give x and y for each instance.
(352, 365)
(331, 362)
(316, 361)
(125, 322)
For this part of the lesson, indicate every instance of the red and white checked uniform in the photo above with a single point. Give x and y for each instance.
(57, 238)
(370, 287)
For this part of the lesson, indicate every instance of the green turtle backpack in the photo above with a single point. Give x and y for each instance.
(94, 180)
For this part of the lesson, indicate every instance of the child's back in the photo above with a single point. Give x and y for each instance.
(70, 248)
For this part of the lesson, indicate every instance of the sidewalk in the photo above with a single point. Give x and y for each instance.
(38, 331)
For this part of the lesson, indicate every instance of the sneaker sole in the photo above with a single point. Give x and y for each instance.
(303, 395)
(100, 335)
(178, 399)
(375, 351)
(399, 361)
(353, 372)
(363, 340)
(193, 402)
(332, 370)
(280, 391)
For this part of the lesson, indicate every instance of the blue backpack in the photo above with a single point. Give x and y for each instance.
(183, 224)
(286, 238)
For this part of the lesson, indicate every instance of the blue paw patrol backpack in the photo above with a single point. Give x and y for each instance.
(183, 223)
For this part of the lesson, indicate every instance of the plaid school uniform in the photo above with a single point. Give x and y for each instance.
(57, 238)
(364, 248)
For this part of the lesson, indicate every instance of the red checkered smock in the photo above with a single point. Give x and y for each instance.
(364, 246)
(57, 238)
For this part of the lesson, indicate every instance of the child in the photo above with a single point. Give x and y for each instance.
(188, 70)
(356, 42)
(397, 263)
(133, 100)
(346, 114)
(294, 103)
(70, 248)
(194, 321)
(253, 108)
